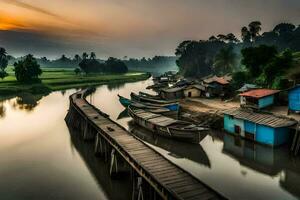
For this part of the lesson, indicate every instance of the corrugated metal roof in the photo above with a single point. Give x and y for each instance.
(259, 93)
(261, 118)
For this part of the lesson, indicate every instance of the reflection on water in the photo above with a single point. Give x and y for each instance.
(175, 148)
(2, 110)
(26, 101)
(237, 169)
(38, 163)
(100, 170)
(266, 160)
(115, 86)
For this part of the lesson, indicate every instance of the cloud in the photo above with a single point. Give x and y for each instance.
(36, 9)
(31, 7)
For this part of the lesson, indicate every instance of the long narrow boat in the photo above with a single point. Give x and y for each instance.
(160, 109)
(126, 102)
(151, 96)
(168, 127)
(150, 100)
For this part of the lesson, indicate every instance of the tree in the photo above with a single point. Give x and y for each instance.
(195, 58)
(283, 28)
(278, 66)
(63, 58)
(238, 79)
(254, 29)
(182, 47)
(212, 38)
(230, 37)
(27, 70)
(255, 58)
(225, 60)
(93, 55)
(77, 71)
(222, 37)
(84, 56)
(77, 58)
(91, 66)
(245, 33)
(3, 63)
(115, 66)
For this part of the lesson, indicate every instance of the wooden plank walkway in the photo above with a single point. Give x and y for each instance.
(170, 181)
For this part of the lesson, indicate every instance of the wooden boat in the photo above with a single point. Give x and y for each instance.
(141, 98)
(126, 102)
(177, 149)
(159, 109)
(168, 127)
(151, 96)
(157, 86)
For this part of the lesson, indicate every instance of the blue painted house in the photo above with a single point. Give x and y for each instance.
(260, 127)
(294, 99)
(258, 98)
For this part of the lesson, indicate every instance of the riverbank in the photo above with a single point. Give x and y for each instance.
(210, 111)
(62, 79)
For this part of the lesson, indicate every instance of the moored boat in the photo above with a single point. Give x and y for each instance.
(151, 96)
(168, 127)
(126, 102)
(142, 98)
(166, 110)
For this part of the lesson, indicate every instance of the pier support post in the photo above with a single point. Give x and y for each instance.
(98, 149)
(137, 191)
(113, 163)
(88, 131)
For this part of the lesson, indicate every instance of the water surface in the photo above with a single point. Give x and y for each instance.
(40, 159)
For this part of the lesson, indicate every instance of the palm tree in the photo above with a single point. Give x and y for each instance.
(230, 37)
(246, 36)
(84, 56)
(225, 60)
(93, 56)
(254, 29)
(77, 58)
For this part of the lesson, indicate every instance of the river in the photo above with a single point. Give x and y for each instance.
(40, 159)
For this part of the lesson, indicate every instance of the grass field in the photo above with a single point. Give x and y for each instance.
(54, 79)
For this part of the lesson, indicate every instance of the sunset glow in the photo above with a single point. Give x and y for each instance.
(133, 27)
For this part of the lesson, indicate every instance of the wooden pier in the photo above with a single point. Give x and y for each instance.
(153, 176)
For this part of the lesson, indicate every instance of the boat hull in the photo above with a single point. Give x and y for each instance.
(127, 102)
(194, 136)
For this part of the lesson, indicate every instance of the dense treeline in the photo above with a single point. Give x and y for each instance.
(155, 64)
(28, 69)
(268, 59)
(111, 65)
(62, 62)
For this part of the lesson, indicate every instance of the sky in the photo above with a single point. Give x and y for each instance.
(133, 28)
